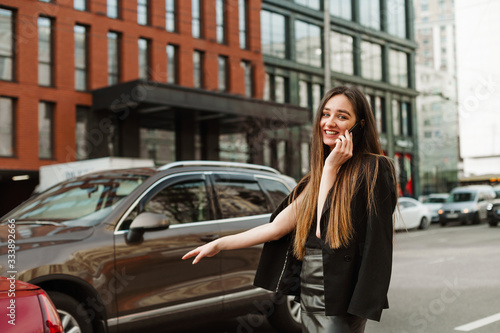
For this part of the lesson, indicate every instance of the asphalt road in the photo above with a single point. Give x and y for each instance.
(445, 280)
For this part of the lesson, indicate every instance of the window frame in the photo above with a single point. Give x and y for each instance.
(13, 126)
(12, 56)
(50, 64)
(52, 108)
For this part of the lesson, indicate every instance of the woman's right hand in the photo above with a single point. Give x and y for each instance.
(341, 152)
(207, 250)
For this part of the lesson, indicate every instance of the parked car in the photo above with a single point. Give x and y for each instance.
(26, 308)
(434, 202)
(107, 246)
(467, 204)
(494, 208)
(411, 214)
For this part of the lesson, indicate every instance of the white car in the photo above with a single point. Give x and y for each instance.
(411, 214)
(434, 202)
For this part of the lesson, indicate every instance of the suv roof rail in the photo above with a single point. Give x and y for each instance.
(219, 163)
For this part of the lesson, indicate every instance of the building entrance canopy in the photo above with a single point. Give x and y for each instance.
(157, 101)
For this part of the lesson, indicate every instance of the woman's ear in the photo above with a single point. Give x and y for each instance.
(362, 122)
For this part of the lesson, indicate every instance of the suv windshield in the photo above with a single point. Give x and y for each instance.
(462, 197)
(80, 202)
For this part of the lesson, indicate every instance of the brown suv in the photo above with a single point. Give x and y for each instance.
(107, 246)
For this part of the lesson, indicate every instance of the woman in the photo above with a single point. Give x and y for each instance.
(339, 268)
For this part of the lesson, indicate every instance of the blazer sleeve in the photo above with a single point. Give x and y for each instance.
(370, 291)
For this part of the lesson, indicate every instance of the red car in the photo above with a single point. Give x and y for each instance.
(27, 308)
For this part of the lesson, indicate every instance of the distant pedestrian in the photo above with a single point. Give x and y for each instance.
(339, 268)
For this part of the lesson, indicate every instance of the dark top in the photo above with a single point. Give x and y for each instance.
(356, 277)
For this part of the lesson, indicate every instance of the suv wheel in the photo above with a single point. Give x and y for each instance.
(71, 319)
(493, 223)
(476, 219)
(286, 315)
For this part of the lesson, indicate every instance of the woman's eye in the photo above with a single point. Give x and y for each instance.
(325, 114)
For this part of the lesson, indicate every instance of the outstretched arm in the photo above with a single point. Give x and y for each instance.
(283, 224)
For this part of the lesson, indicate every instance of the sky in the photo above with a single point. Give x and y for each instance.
(478, 72)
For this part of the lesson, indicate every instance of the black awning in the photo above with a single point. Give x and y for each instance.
(146, 96)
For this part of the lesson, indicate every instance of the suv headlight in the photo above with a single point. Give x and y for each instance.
(490, 206)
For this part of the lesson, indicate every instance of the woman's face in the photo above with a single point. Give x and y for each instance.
(338, 116)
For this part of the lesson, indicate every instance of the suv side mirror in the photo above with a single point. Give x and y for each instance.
(146, 222)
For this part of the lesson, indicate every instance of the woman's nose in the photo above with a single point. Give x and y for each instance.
(331, 122)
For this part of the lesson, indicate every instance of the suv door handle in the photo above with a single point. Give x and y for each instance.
(209, 238)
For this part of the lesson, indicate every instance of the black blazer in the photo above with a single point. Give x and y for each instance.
(356, 277)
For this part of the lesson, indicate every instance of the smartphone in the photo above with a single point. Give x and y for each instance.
(354, 127)
(357, 133)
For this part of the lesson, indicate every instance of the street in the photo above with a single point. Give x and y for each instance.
(444, 280)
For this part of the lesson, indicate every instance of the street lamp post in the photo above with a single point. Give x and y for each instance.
(326, 42)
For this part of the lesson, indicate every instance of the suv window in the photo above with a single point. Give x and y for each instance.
(276, 190)
(461, 197)
(239, 197)
(182, 202)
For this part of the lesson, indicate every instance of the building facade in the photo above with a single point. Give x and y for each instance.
(437, 104)
(196, 79)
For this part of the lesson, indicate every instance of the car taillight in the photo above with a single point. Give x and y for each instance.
(51, 321)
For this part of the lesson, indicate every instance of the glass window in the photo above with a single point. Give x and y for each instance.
(170, 9)
(183, 202)
(276, 190)
(7, 128)
(405, 119)
(220, 20)
(370, 13)
(80, 4)
(239, 198)
(80, 203)
(83, 147)
(222, 76)
(303, 94)
(113, 58)
(267, 88)
(276, 88)
(398, 68)
(247, 70)
(143, 12)
(396, 124)
(371, 61)
(341, 55)
(45, 130)
(314, 4)
(45, 50)
(157, 144)
(112, 8)
(144, 58)
(280, 85)
(196, 18)
(80, 57)
(316, 95)
(242, 23)
(341, 8)
(273, 34)
(6, 45)
(308, 43)
(172, 64)
(396, 17)
(379, 113)
(198, 69)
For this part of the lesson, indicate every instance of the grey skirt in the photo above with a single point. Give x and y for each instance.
(312, 301)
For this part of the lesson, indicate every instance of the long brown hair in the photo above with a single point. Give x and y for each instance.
(350, 176)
